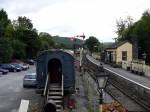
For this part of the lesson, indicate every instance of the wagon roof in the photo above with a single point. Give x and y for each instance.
(56, 50)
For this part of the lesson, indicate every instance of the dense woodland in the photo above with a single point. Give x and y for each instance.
(138, 31)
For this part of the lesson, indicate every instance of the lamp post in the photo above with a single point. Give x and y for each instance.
(102, 47)
(144, 56)
(101, 81)
(96, 48)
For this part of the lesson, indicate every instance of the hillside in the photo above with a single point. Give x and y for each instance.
(107, 44)
(67, 41)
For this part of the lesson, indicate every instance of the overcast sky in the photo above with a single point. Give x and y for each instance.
(73, 17)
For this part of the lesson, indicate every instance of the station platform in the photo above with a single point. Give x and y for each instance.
(137, 79)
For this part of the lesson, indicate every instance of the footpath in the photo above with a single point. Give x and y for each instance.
(87, 96)
(80, 97)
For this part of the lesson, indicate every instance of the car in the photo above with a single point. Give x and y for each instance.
(29, 80)
(30, 61)
(17, 66)
(24, 66)
(10, 67)
(4, 71)
(20, 64)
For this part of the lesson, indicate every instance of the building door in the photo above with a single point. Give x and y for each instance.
(110, 56)
(55, 70)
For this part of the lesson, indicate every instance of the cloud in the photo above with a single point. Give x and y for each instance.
(72, 17)
(62, 30)
(20, 7)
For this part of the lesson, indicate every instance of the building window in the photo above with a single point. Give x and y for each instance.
(124, 55)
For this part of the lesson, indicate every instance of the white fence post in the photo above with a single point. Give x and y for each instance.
(137, 67)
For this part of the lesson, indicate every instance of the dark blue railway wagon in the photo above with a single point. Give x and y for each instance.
(55, 63)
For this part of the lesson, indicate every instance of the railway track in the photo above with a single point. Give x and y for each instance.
(126, 87)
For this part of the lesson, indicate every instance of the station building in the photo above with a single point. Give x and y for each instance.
(118, 52)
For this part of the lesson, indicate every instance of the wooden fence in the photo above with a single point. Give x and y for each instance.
(138, 67)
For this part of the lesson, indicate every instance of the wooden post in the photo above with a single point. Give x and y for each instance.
(101, 100)
(81, 49)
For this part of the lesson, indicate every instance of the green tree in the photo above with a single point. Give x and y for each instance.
(18, 49)
(6, 50)
(46, 41)
(9, 32)
(92, 43)
(142, 31)
(4, 21)
(62, 46)
(123, 28)
(5, 44)
(23, 23)
(25, 33)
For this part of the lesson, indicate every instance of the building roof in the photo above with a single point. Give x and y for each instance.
(117, 44)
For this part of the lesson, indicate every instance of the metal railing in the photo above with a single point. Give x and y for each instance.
(62, 85)
(46, 85)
